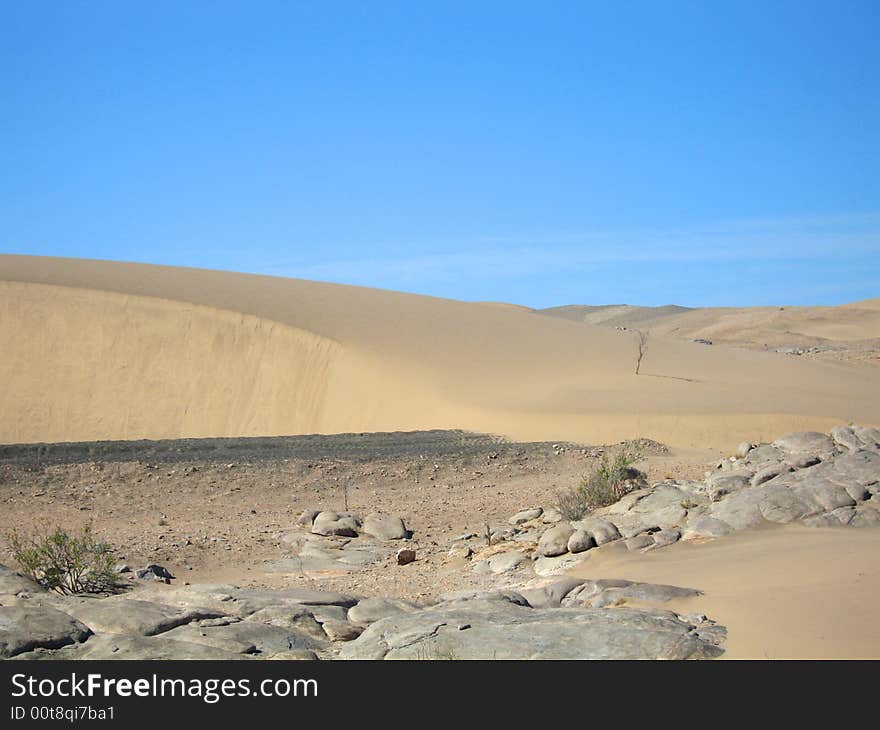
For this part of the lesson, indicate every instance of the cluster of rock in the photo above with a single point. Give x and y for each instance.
(561, 619)
(341, 542)
(812, 478)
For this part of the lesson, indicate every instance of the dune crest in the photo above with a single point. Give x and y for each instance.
(103, 350)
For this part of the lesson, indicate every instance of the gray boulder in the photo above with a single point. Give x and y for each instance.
(385, 527)
(308, 517)
(549, 593)
(500, 630)
(25, 628)
(809, 442)
(332, 523)
(580, 541)
(705, 527)
(555, 540)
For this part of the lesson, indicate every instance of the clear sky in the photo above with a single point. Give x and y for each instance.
(541, 153)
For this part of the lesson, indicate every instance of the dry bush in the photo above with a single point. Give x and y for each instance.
(64, 562)
(605, 485)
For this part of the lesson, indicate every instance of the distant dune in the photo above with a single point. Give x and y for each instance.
(102, 350)
(856, 324)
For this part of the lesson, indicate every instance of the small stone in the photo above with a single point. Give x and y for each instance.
(406, 556)
(155, 572)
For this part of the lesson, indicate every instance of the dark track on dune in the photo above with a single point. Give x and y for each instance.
(351, 446)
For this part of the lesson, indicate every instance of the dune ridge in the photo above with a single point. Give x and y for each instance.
(99, 350)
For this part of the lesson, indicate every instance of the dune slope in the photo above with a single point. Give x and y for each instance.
(97, 350)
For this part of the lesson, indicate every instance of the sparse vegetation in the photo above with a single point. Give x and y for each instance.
(64, 562)
(605, 485)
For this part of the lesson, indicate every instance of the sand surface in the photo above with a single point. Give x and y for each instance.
(102, 350)
(784, 592)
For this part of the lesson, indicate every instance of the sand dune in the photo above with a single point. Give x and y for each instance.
(97, 350)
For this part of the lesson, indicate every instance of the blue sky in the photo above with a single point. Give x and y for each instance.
(542, 153)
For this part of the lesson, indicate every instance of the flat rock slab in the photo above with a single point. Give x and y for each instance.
(118, 615)
(12, 584)
(503, 563)
(316, 560)
(110, 646)
(500, 630)
(234, 601)
(244, 637)
(25, 628)
(370, 610)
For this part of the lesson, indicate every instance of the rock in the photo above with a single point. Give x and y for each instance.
(706, 528)
(837, 518)
(640, 541)
(665, 537)
(768, 473)
(555, 540)
(300, 618)
(870, 437)
(307, 518)
(342, 630)
(557, 565)
(551, 515)
(499, 630)
(329, 557)
(803, 461)
(120, 568)
(526, 516)
(477, 595)
(580, 541)
(14, 585)
(370, 610)
(809, 442)
(544, 593)
(632, 591)
(234, 601)
(385, 527)
(502, 562)
(743, 449)
(406, 556)
(600, 530)
(25, 628)
(331, 523)
(122, 615)
(722, 485)
(155, 572)
(764, 455)
(245, 637)
(113, 646)
(865, 517)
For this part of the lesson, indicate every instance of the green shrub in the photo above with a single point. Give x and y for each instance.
(65, 562)
(605, 485)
